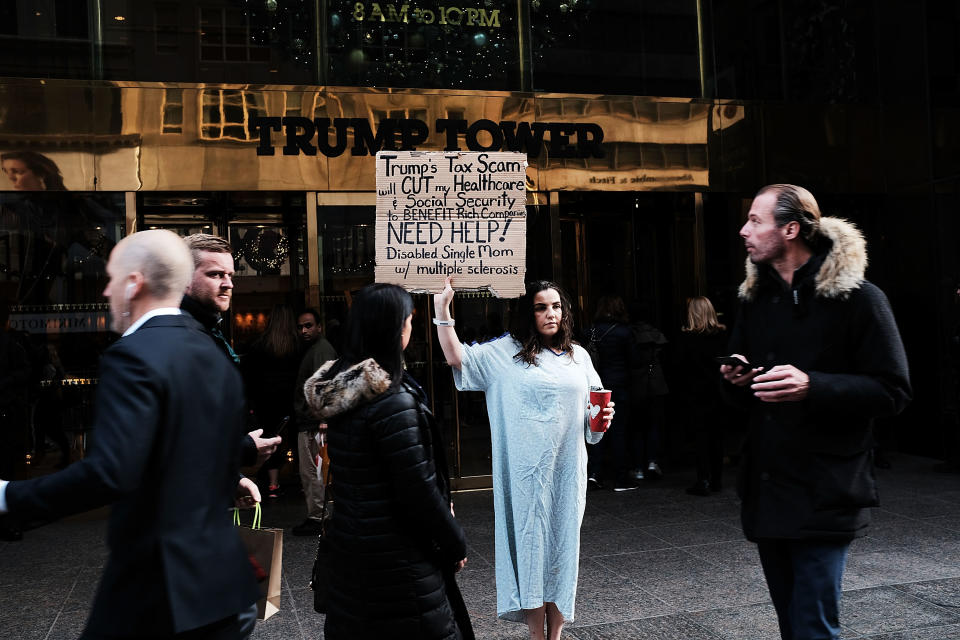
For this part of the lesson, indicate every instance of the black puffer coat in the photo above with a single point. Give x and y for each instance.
(807, 471)
(393, 541)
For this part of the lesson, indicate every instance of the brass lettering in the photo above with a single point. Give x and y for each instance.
(449, 15)
(492, 21)
(388, 12)
(392, 15)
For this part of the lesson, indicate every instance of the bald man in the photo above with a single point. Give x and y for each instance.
(165, 454)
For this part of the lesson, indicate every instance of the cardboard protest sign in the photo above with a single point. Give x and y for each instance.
(461, 214)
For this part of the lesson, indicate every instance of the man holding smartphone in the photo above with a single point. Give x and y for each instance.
(823, 359)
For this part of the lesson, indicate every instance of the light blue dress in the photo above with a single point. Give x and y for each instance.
(538, 425)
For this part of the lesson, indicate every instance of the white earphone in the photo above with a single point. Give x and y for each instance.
(128, 292)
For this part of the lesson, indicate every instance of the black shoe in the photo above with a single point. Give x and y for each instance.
(11, 534)
(699, 488)
(625, 484)
(881, 461)
(308, 527)
(593, 483)
(653, 472)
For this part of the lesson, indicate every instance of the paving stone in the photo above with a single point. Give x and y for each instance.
(650, 567)
(68, 625)
(886, 609)
(692, 533)
(612, 542)
(948, 632)
(754, 621)
(919, 506)
(671, 627)
(943, 593)
(866, 570)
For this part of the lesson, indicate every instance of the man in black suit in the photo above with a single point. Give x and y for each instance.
(165, 454)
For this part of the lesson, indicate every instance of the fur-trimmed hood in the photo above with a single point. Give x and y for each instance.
(345, 391)
(843, 267)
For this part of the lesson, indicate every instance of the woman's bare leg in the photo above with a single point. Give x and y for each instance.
(534, 619)
(554, 621)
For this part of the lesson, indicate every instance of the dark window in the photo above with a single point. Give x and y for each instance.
(71, 18)
(166, 29)
(8, 18)
(632, 47)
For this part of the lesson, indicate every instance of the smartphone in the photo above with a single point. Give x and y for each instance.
(734, 362)
(269, 433)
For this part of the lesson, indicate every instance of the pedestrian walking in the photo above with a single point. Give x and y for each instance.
(394, 544)
(165, 456)
(822, 358)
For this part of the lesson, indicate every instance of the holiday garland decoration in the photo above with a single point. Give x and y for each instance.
(264, 249)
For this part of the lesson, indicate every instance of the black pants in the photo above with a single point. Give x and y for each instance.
(707, 428)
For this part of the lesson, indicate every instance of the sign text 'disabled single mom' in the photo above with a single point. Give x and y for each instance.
(461, 214)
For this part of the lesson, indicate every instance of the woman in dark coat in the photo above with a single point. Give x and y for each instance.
(269, 371)
(701, 340)
(394, 543)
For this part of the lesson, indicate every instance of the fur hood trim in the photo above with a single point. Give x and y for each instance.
(345, 391)
(843, 268)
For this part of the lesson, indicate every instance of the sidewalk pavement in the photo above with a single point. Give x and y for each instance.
(655, 564)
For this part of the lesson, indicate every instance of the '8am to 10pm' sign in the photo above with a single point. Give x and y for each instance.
(461, 214)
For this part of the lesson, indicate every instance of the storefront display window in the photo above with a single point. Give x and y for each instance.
(54, 248)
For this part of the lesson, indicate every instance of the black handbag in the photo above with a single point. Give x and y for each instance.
(320, 576)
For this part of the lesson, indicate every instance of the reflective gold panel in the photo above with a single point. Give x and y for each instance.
(176, 137)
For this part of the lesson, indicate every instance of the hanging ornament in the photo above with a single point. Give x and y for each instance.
(480, 39)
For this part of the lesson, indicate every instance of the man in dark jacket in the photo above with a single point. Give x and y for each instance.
(309, 427)
(825, 359)
(165, 454)
(208, 295)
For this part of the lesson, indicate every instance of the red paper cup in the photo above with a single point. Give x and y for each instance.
(599, 399)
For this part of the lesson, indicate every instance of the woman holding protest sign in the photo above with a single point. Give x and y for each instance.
(537, 384)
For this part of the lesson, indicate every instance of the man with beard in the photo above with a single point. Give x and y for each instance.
(822, 358)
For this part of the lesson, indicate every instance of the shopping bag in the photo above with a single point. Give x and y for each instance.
(265, 552)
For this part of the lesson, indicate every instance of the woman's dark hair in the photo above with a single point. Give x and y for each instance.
(524, 327)
(280, 337)
(611, 308)
(374, 329)
(42, 166)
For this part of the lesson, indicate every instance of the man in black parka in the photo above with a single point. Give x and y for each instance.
(825, 359)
